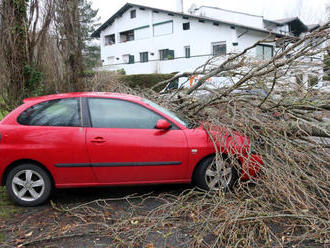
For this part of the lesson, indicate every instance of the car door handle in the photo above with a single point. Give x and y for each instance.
(98, 140)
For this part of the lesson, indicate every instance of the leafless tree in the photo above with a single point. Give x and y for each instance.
(24, 26)
(69, 42)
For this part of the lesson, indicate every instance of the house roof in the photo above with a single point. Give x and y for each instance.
(312, 27)
(284, 20)
(297, 26)
(127, 6)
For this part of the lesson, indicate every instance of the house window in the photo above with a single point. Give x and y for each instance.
(219, 48)
(109, 40)
(186, 26)
(144, 57)
(163, 28)
(127, 36)
(133, 14)
(128, 59)
(264, 52)
(142, 33)
(166, 54)
(111, 60)
(187, 51)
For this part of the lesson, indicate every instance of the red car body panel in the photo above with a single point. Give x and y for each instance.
(127, 146)
(87, 156)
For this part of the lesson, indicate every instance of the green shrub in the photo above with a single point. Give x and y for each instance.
(326, 78)
(34, 76)
(88, 73)
(2, 114)
(144, 80)
(121, 72)
(312, 80)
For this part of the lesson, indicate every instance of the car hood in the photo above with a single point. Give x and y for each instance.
(226, 140)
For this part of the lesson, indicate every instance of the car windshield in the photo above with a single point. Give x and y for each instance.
(177, 117)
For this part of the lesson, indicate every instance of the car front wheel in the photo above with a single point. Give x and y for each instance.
(28, 185)
(216, 175)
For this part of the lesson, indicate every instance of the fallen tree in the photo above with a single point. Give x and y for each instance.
(288, 126)
(288, 205)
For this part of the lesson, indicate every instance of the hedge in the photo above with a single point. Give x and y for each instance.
(144, 80)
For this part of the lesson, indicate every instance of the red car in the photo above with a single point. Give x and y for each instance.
(102, 139)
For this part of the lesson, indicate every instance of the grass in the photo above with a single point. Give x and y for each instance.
(7, 207)
(7, 210)
(2, 237)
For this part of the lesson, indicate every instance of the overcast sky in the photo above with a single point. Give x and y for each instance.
(310, 11)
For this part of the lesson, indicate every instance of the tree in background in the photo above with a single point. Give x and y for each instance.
(74, 21)
(24, 26)
(69, 41)
(13, 19)
(327, 56)
(89, 22)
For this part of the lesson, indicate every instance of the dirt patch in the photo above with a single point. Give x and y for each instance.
(119, 217)
(50, 226)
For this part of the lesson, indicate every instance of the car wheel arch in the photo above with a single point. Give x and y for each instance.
(210, 155)
(199, 162)
(25, 161)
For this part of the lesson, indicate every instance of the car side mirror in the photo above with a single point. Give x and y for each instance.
(163, 124)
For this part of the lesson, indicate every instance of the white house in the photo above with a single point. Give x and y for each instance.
(141, 39)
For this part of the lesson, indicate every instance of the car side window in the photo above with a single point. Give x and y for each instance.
(59, 112)
(112, 113)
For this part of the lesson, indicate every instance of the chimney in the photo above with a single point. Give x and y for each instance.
(179, 6)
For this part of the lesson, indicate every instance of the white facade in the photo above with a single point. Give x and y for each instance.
(232, 16)
(151, 30)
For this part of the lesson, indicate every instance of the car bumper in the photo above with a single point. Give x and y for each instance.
(251, 165)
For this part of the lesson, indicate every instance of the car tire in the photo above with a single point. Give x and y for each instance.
(206, 174)
(28, 185)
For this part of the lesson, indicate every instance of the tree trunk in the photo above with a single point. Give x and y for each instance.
(13, 38)
(69, 42)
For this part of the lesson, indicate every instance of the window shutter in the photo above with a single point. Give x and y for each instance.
(131, 59)
(170, 54)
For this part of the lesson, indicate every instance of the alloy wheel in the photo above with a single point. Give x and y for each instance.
(28, 185)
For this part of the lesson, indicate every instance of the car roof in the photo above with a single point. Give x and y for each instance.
(83, 94)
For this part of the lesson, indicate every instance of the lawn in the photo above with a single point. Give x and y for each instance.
(7, 210)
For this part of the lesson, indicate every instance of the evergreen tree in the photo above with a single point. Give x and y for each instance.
(74, 22)
(88, 22)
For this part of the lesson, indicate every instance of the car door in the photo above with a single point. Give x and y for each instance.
(52, 133)
(124, 146)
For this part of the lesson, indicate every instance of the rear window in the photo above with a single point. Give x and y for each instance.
(59, 112)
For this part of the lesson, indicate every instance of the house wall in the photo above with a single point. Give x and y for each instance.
(232, 16)
(199, 37)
